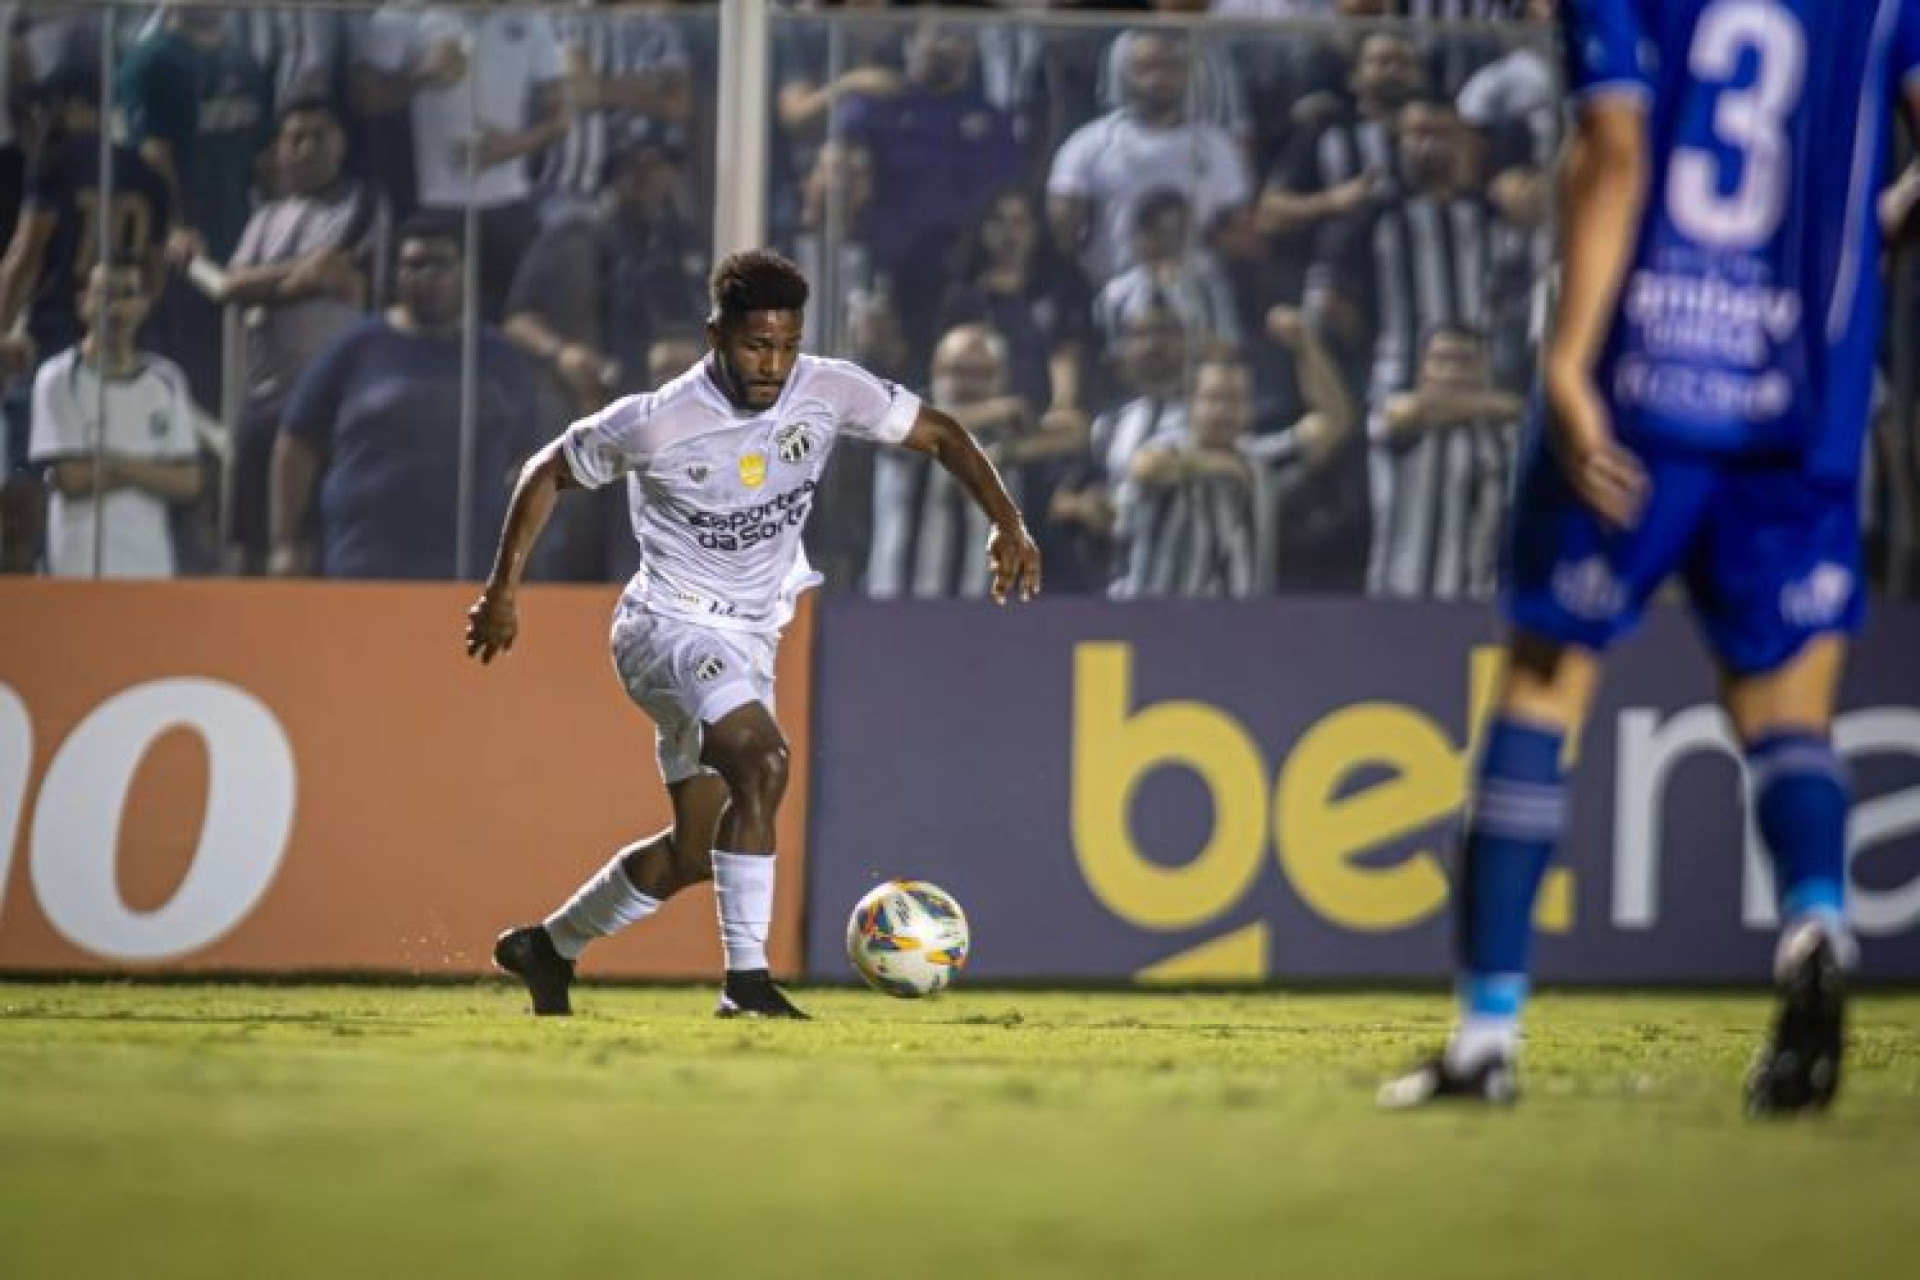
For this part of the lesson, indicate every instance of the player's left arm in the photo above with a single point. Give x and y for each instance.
(1602, 193)
(1010, 548)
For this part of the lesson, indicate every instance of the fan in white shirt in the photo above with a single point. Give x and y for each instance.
(114, 428)
(722, 465)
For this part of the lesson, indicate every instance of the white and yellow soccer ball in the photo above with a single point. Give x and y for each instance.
(908, 938)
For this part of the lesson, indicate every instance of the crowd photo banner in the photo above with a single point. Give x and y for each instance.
(298, 777)
(1269, 790)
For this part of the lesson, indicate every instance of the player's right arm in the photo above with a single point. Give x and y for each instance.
(593, 451)
(1603, 186)
(493, 621)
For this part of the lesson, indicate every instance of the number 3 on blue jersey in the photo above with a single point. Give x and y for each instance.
(1750, 312)
(1751, 120)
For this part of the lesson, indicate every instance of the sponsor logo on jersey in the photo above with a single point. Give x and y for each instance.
(708, 668)
(737, 530)
(1689, 392)
(699, 472)
(753, 469)
(1819, 598)
(793, 442)
(1587, 589)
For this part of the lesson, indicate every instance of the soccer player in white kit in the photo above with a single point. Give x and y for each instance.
(722, 465)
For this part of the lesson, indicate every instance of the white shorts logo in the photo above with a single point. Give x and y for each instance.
(708, 668)
(1819, 598)
(1587, 589)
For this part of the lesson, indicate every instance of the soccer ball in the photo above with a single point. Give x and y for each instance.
(907, 938)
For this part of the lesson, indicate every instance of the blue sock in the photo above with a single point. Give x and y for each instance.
(1800, 801)
(1518, 811)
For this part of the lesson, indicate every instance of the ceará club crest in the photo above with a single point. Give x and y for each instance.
(794, 443)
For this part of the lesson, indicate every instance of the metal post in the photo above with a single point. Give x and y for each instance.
(740, 171)
(469, 334)
(233, 394)
(103, 254)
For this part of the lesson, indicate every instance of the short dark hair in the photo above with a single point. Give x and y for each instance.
(309, 104)
(1430, 100)
(1152, 308)
(1220, 356)
(756, 280)
(1158, 203)
(426, 225)
(119, 260)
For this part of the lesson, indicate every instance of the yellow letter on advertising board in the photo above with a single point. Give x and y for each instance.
(1113, 750)
(1320, 831)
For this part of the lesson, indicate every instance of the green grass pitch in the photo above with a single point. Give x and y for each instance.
(261, 1132)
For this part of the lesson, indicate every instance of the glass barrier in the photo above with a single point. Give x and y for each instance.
(1202, 284)
(359, 262)
(1185, 278)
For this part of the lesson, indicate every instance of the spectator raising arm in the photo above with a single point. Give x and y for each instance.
(19, 272)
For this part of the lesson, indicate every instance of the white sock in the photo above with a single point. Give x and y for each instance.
(601, 907)
(1479, 1037)
(743, 891)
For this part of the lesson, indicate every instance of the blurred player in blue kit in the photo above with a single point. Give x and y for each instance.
(1705, 402)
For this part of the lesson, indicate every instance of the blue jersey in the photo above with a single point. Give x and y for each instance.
(1748, 319)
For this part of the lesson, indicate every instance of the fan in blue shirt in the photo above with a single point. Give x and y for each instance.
(374, 425)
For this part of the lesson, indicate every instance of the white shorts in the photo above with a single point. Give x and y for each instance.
(684, 675)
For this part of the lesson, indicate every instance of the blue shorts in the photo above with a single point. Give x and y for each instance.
(1770, 555)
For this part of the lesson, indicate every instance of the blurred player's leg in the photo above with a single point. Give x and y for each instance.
(1798, 789)
(628, 889)
(1514, 822)
(750, 753)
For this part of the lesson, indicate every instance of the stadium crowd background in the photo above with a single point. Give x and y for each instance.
(1244, 297)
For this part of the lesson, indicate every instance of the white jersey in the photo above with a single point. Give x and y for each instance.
(719, 494)
(148, 415)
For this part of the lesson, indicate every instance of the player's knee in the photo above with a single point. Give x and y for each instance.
(757, 775)
(767, 772)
